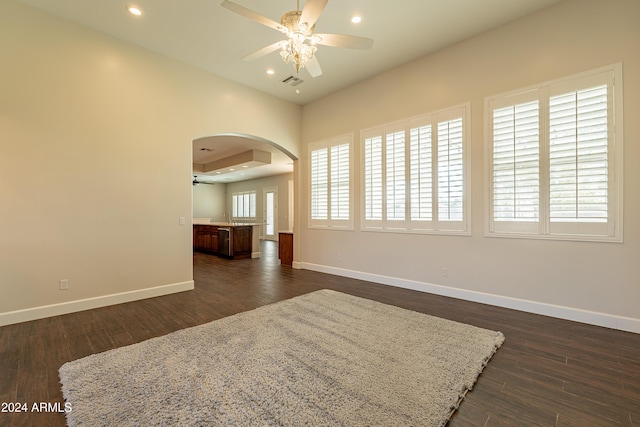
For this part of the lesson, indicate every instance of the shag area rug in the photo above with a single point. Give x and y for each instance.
(321, 359)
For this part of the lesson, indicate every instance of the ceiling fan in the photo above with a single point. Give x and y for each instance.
(196, 182)
(300, 45)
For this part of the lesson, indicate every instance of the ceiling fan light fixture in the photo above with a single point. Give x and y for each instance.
(297, 52)
(300, 48)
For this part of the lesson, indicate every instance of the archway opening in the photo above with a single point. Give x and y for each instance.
(235, 178)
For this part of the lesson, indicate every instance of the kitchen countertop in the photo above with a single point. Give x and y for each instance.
(233, 224)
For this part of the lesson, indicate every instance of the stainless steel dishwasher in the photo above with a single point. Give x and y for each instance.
(224, 243)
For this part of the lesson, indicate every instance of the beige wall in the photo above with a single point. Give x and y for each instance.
(589, 281)
(209, 201)
(95, 164)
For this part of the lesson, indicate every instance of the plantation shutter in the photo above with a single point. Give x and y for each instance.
(330, 183)
(578, 156)
(516, 163)
(450, 170)
(396, 178)
(244, 204)
(235, 206)
(252, 204)
(421, 174)
(340, 182)
(373, 178)
(556, 159)
(319, 188)
(240, 205)
(414, 174)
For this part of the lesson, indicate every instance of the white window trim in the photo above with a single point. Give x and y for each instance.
(443, 227)
(542, 230)
(330, 223)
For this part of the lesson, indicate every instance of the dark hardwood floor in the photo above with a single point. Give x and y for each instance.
(548, 372)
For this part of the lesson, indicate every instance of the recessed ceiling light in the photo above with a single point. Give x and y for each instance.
(356, 19)
(134, 10)
(271, 71)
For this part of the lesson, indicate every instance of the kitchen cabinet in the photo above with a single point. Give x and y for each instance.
(241, 237)
(230, 241)
(285, 248)
(205, 238)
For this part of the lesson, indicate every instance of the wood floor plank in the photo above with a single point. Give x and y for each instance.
(115, 327)
(56, 354)
(548, 372)
(567, 404)
(76, 338)
(519, 410)
(10, 349)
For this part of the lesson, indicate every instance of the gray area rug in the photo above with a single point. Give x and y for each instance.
(321, 359)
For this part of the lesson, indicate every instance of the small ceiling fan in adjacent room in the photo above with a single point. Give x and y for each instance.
(300, 46)
(196, 182)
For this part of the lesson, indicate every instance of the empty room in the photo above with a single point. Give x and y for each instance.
(320, 212)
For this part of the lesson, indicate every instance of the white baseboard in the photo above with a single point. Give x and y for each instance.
(568, 313)
(35, 313)
(255, 255)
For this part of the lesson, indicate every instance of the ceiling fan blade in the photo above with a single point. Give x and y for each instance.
(248, 13)
(312, 11)
(197, 182)
(262, 52)
(313, 66)
(341, 40)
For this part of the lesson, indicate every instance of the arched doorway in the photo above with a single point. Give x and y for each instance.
(236, 174)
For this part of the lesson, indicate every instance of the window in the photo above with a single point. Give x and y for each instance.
(244, 205)
(415, 172)
(555, 159)
(330, 183)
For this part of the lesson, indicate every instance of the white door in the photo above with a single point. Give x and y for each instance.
(271, 213)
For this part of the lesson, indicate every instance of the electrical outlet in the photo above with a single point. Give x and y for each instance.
(64, 284)
(445, 272)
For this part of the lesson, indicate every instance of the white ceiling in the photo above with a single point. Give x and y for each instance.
(210, 37)
(215, 148)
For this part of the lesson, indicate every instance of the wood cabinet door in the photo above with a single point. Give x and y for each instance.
(205, 238)
(285, 248)
(241, 240)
